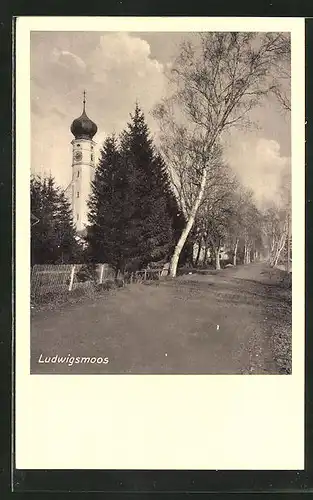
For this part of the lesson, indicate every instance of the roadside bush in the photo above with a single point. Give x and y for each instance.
(119, 282)
(225, 262)
(87, 272)
(53, 300)
(106, 285)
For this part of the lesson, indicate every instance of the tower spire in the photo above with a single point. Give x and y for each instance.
(84, 101)
(83, 127)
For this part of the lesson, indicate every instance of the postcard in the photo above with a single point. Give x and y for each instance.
(159, 185)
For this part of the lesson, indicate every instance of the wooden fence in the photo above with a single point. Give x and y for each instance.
(55, 279)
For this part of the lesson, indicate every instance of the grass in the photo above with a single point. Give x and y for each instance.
(53, 300)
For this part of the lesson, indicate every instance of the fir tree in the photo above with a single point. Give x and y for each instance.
(174, 212)
(53, 238)
(133, 213)
(109, 236)
(151, 221)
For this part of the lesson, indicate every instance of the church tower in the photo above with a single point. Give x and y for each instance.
(83, 166)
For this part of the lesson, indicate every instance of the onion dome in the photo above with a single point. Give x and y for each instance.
(83, 127)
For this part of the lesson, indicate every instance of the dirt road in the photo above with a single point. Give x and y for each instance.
(235, 321)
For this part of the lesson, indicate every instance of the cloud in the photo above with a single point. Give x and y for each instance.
(122, 72)
(259, 164)
(116, 69)
(67, 59)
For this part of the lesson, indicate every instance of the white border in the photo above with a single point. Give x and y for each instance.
(157, 422)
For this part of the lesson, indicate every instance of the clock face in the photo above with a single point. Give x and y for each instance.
(78, 155)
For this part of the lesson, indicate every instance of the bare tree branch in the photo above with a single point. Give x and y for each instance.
(216, 83)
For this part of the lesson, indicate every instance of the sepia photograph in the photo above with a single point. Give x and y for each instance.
(159, 193)
(160, 189)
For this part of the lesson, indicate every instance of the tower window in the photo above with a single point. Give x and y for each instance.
(77, 194)
(77, 173)
(78, 145)
(77, 216)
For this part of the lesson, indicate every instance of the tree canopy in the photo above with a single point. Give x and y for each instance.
(53, 236)
(133, 214)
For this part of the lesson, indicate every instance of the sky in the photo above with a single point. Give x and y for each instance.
(117, 69)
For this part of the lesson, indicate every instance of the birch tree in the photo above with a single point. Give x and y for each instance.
(218, 213)
(277, 222)
(251, 227)
(275, 227)
(214, 84)
(282, 75)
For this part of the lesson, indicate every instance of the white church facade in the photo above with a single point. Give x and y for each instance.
(83, 167)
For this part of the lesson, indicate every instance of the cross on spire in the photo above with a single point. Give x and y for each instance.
(84, 100)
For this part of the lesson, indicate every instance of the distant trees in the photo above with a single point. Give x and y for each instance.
(228, 219)
(217, 212)
(216, 83)
(133, 215)
(275, 230)
(53, 237)
(276, 223)
(146, 207)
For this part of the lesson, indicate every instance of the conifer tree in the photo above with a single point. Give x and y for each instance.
(109, 235)
(175, 214)
(151, 221)
(53, 237)
(133, 215)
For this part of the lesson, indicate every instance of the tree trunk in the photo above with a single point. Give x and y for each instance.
(188, 227)
(235, 253)
(280, 248)
(272, 251)
(198, 254)
(245, 256)
(206, 254)
(217, 259)
(248, 254)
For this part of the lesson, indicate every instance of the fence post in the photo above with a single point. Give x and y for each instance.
(145, 274)
(101, 273)
(72, 278)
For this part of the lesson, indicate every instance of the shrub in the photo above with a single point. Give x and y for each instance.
(119, 282)
(106, 285)
(86, 273)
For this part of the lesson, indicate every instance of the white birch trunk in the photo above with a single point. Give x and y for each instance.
(187, 229)
(281, 245)
(272, 251)
(235, 253)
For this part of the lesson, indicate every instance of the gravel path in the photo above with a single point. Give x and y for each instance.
(236, 321)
